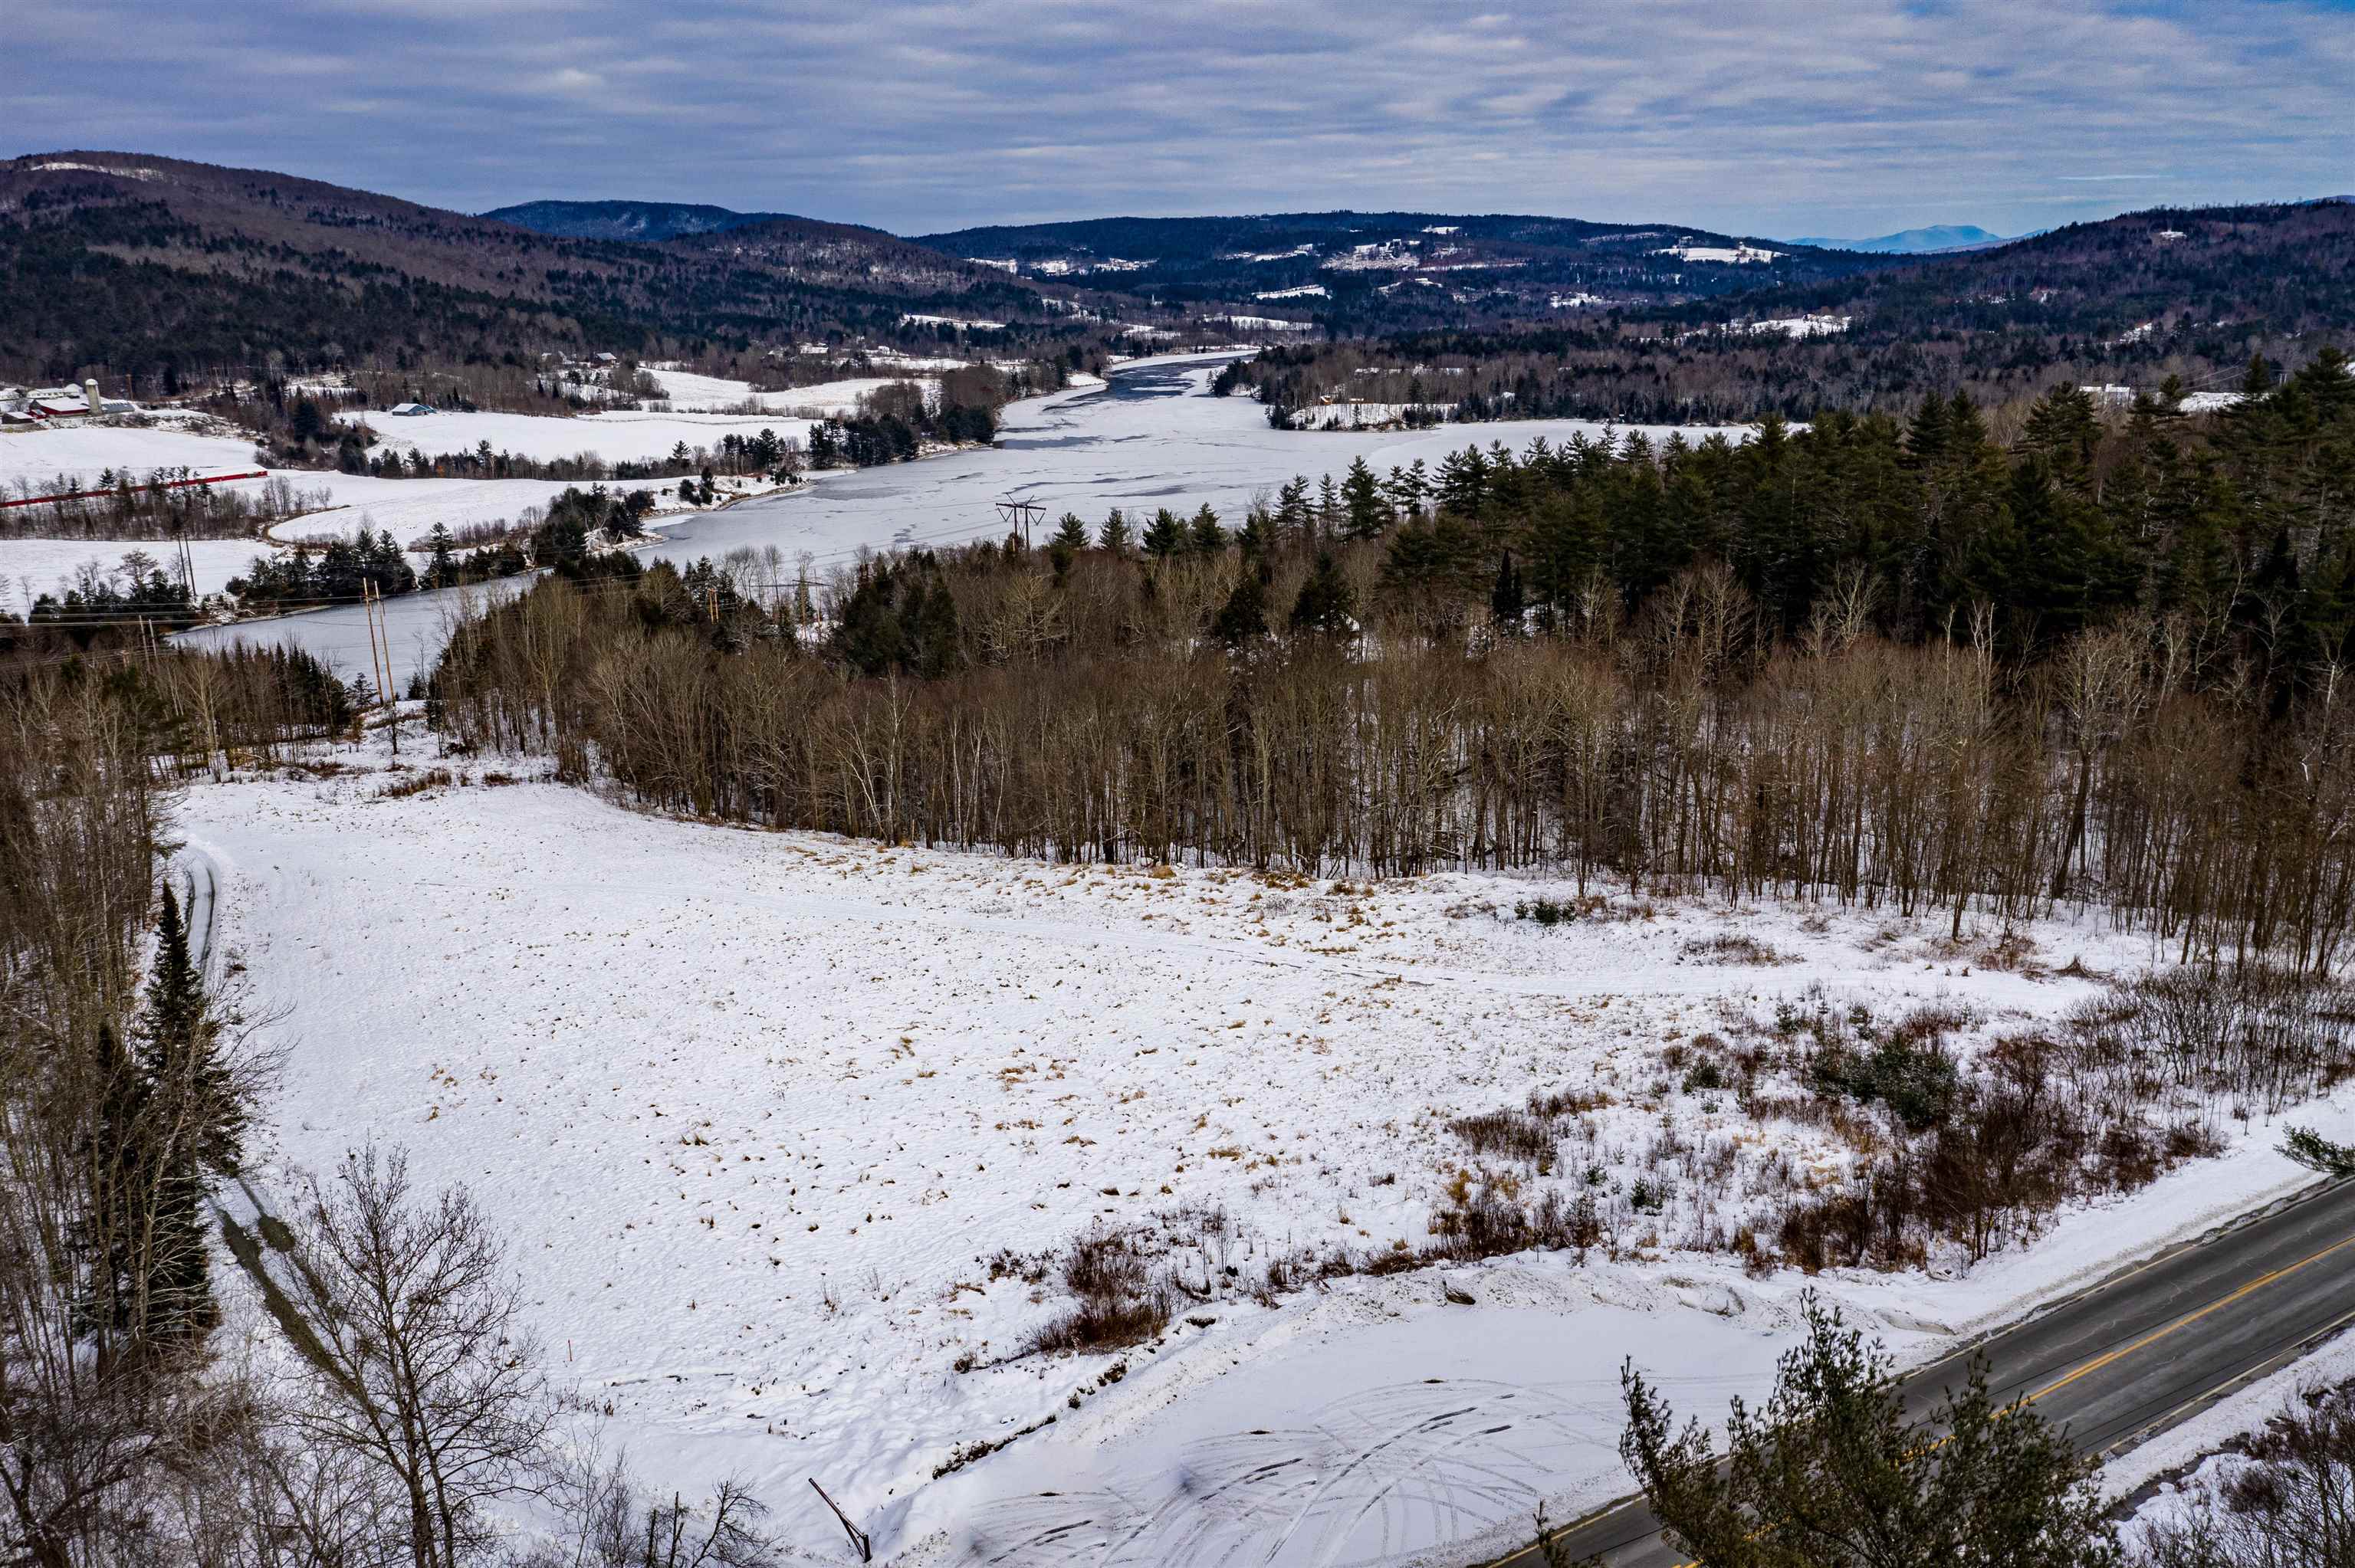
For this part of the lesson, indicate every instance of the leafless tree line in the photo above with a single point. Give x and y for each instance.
(148, 509)
(400, 1417)
(1677, 750)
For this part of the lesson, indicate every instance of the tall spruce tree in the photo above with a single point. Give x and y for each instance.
(197, 1130)
(1243, 618)
(1204, 535)
(1505, 601)
(122, 1159)
(1364, 515)
(1324, 603)
(1165, 536)
(1116, 536)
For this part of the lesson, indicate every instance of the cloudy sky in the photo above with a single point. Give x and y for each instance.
(1836, 117)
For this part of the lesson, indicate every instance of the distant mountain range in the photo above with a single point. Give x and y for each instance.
(136, 264)
(1356, 271)
(152, 265)
(1931, 241)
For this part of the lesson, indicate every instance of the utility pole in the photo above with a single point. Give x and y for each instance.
(1022, 512)
(380, 654)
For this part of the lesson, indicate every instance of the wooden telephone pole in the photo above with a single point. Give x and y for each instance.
(380, 654)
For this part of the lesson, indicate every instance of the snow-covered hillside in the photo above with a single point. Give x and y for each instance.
(788, 1132)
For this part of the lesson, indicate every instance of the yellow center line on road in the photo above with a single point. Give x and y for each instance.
(2098, 1363)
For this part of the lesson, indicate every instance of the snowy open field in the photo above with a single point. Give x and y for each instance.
(761, 1110)
(409, 507)
(689, 393)
(31, 568)
(621, 435)
(79, 453)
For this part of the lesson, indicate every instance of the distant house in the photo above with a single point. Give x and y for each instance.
(410, 410)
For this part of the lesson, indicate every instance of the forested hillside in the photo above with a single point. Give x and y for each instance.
(1387, 271)
(129, 265)
(644, 220)
(2128, 301)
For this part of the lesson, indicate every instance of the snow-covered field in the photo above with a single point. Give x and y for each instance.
(689, 393)
(79, 453)
(1798, 326)
(774, 1120)
(409, 508)
(619, 435)
(31, 568)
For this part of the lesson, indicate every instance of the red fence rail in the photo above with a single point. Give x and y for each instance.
(102, 494)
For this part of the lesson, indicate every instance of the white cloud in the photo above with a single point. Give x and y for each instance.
(915, 115)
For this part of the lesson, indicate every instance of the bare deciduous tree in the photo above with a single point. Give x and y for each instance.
(422, 1367)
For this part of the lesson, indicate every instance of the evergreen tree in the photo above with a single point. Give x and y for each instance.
(1165, 536)
(1070, 533)
(1831, 1475)
(1505, 600)
(1258, 539)
(1323, 604)
(1926, 434)
(1463, 482)
(1364, 515)
(307, 423)
(198, 1131)
(1204, 535)
(122, 1161)
(937, 649)
(1114, 539)
(1292, 507)
(1243, 618)
(441, 569)
(870, 636)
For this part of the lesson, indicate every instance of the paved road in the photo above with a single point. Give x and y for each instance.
(2132, 1356)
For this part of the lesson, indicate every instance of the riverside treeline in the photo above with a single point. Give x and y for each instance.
(1879, 661)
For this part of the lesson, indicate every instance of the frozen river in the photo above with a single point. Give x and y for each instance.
(1152, 437)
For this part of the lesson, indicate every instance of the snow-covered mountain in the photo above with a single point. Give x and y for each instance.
(1916, 241)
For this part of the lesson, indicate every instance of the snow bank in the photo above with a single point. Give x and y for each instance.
(2194, 1446)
